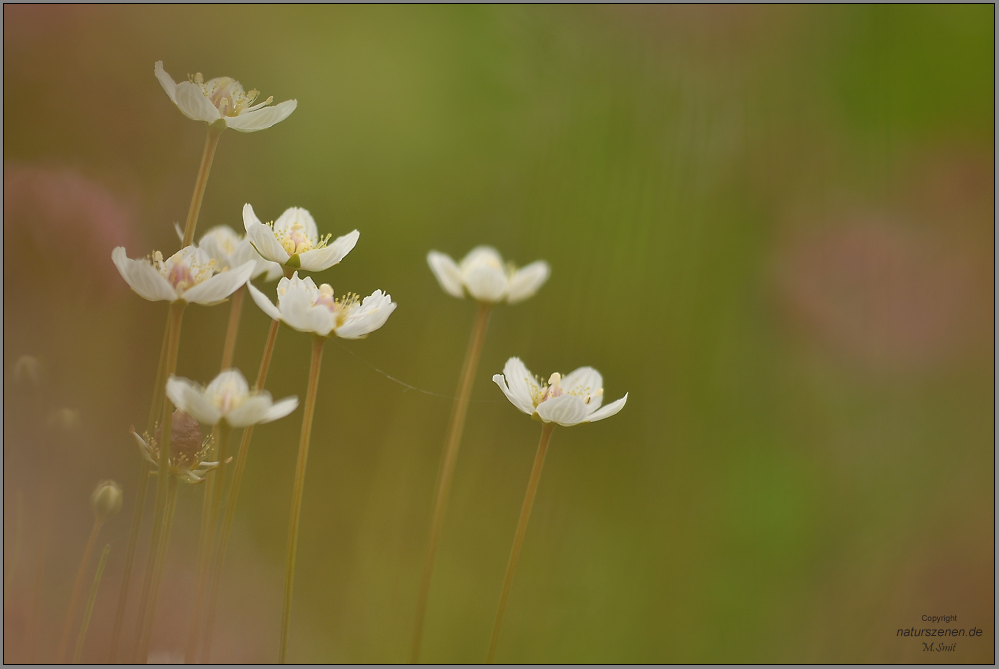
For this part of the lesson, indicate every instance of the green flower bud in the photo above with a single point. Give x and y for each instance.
(106, 500)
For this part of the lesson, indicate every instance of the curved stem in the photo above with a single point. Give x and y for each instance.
(453, 442)
(77, 584)
(82, 637)
(159, 388)
(163, 484)
(518, 539)
(296, 495)
(211, 142)
(230, 506)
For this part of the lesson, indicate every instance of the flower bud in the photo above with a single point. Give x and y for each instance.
(65, 420)
(28, 369)
(106, 500)
(185, 436)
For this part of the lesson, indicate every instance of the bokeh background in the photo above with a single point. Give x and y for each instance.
(773, 226)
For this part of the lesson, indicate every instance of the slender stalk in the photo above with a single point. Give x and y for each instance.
(158, 567)
(211, 142)
(90, 605)
(296, 495)
(235, 310)
(518, 539)
(15, 552)
(230, 506)
(453, 442)
(159, 388)
(208, 522)
(77, 584)
(163, 484)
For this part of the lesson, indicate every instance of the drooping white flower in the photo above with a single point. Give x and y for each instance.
(293, 240)
(309, 308)
(483, 276)
(566, 400)
(189, 275)
(222, 98)
(229, 250)
(227, 398)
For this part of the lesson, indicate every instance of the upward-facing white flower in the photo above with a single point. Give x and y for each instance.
(483, 275)
(227, 398)
(189, 275)
(229, 250)
(222, 99)
(566, 400)
(309, 308)
(293, 240)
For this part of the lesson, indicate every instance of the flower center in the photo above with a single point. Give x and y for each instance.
(230, 398)
(340, 308)
(183, 271)
(541, 392)
(228, 96)
(295, 240)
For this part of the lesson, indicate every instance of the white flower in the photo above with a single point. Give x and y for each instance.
(308, 308)
(483, 276)
(566, 400)
(222, 98)
(293, 240)
(189, 275)
(227, 398)
(188, 449)
(229, 250)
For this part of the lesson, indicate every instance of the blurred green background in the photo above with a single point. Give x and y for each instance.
(773, 227)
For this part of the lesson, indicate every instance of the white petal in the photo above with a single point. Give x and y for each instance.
(166, 81)
(280, 409)
(609, 410)
(230, 380)
(481, 255)
(192, 102)
(486, 283)
(262, 118)
(519, 380)
(250, 217)
(218, 242)
(263, 239)
(585, 381)
(447, 272)
(368, 317)
(527, 280)
(566, 410)
(265, 305)
(500, 381)
(317, 260)
(298, 312)
(217, 288)
(142, 277)
(299, 216)
(251, 411)
(190, 398)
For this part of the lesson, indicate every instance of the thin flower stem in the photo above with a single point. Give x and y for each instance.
(453, 442)
(235, 310)
(163, 483)
(230, 506)
(158, 567)
(82, 637)
(211, 142)
(205, 539)
(518, 539)
(159, 388)
(299, 487)
(77, 584)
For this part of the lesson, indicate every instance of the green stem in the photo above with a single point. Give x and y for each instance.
(90, 605)
(230, 506)
(163, 483)
(453, 442)
(158, 567)
(77, 584)
(211, 142)
(518, 539)
(235, 310)
(299, 487)
(159, 389)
